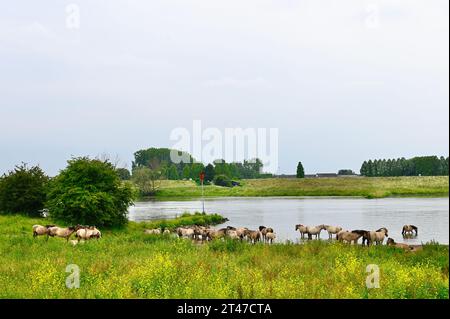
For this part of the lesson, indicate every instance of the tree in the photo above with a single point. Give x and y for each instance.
(23, 190)
(186, 172)
(420, 165)
(300, 170)
(370, 168)
(444, 166)
(90, 192)
(209, 173)
(345, 172)
(196, 169)
(124, 174)
(147, 180)
(173, 173)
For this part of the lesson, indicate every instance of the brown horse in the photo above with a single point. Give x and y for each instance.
(253, 235)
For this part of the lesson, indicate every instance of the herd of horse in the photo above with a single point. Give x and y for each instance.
(202, 233)
(82, 232)
(262, 234)
(267, 234)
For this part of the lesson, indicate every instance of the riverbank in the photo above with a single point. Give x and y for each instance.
(369, 187)
(126, 263)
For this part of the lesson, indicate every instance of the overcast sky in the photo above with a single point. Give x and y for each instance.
(343, 80)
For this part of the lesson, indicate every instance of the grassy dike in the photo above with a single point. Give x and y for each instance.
(369, 187)
(126, 263)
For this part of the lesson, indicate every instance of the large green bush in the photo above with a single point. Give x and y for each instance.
(222, 180)
(23, 190)
(89, 192)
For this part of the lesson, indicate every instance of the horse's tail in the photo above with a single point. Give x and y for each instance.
(415, 228)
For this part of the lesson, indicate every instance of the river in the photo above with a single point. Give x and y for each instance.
(430, 215)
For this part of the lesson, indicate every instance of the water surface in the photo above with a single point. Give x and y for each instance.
(431, 215)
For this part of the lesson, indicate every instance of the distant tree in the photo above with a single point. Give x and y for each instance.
(444, 166)
(421, 165)
(23, 190)
(222, 168)
(363, 171)
(124, 174)
(186, 172)
(89, 192)
(173, 173)
(196, 169)
(209, 173)
(345, 172)
(147, 180)
(370, 170)
(300, 170)
(426, 165)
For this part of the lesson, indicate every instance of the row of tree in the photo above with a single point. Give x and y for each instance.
(424, 166)
(159, 159)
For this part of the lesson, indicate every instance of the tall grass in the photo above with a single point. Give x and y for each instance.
(369, 187)
(127, 263)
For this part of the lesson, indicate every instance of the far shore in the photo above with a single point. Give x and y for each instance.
(363, 187)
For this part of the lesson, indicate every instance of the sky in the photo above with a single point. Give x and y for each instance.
(342, 80)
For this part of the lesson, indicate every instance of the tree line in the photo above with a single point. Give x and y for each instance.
(420, 165)
(158, 159)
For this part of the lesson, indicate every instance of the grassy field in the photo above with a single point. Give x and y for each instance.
(128, 264)
(373, 187)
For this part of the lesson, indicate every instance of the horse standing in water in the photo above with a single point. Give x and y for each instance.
(314, 231)
(302, 229)
(410, 230)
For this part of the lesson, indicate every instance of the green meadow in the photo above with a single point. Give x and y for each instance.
(126, 263)
(369, 187)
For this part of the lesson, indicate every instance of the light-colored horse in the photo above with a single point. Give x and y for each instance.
(185, 232)
(264, 231)
(378, 236)
(216, 234)
(349, 236)
(39, 230)
(270, 237)
(156, 231)
(332, 230)
(314, 231)
(61, 232)
(391, 242)
(409, 230)
(302, 229)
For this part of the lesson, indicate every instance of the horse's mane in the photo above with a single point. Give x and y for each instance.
(382, 228)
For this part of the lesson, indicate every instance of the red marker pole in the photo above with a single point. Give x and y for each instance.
(202, 177)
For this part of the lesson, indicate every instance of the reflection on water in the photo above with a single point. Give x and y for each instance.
(431, 215)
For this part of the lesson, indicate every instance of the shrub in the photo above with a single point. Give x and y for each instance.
(222, 180)
(124, 174)
(23, 190)
(89, 192)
